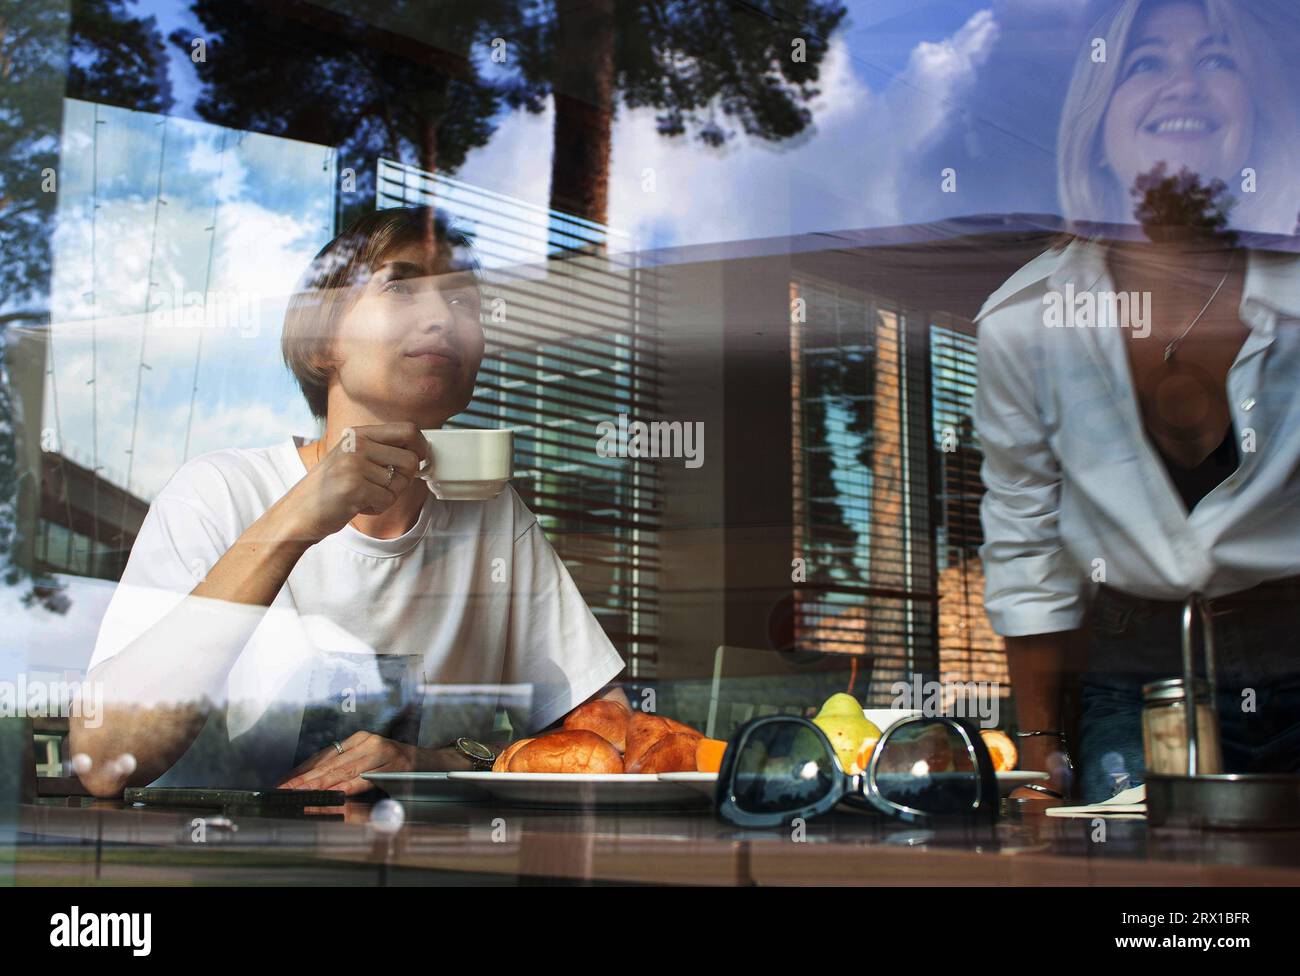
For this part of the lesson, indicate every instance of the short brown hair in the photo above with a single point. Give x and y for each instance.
(329, 286)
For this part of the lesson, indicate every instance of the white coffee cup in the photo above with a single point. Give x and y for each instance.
(469, 465)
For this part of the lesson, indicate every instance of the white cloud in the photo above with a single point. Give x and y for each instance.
(750, 188)
(270, 223)
(919, 106)
(846, 174)
(245, 398)
(848, 171)
(43, 644)
(517, 162)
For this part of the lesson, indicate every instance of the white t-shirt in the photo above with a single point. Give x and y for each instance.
(473, 596)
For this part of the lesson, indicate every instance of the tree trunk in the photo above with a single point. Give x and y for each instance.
(584, 113)
(430, 115)
(429, 150)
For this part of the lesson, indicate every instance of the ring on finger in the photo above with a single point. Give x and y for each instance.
(391, 471)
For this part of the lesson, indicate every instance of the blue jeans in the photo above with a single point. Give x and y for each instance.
(1257, 647)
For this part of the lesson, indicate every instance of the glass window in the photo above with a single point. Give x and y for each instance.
(877, 349)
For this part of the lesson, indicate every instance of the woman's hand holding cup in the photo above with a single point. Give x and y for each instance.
(363, 474)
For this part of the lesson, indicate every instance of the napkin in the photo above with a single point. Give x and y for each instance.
(1128, 804)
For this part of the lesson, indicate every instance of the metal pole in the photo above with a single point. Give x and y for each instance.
(1189, 682)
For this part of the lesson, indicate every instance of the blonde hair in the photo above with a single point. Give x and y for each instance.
(1090, 193)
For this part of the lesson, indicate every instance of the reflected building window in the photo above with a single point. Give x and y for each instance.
(969, 650)
(886, 489)
(861, 516)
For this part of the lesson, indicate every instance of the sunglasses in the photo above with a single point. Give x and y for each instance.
(780, 768)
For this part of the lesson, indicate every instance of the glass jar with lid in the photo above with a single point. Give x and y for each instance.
(1164, 728)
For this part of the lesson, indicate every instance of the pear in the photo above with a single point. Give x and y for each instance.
(840, 703)
(847, 735)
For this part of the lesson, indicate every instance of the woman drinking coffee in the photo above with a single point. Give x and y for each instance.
(286, 611)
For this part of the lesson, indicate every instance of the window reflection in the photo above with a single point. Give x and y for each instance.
(823, 231)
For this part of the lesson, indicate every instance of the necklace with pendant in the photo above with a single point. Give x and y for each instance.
(1172, 347)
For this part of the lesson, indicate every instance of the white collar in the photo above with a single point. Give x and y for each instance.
(1271, 289)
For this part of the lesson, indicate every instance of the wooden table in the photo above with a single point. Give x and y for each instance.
(78, 841)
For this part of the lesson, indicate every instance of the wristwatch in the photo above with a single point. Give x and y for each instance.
(479, 755)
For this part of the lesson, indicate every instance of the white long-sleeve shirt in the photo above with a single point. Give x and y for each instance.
(1076, 493)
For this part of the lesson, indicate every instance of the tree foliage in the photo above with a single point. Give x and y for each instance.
(398, 78)
(708, 68)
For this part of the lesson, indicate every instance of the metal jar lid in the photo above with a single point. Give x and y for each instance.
(1168, 691)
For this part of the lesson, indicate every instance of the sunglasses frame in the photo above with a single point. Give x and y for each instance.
(861, 789)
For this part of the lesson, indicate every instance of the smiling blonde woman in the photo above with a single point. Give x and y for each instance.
(1107, 138)
(1129, 468)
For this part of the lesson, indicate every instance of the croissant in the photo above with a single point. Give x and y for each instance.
(608, 719)
(671, 753)
(645, 730)
(576, 751)
(503, 759)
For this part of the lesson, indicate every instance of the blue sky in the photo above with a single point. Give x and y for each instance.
(909, 88)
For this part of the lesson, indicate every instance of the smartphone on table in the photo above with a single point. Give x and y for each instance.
(202, 796)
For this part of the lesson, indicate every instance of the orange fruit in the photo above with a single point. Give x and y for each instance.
(864, 754)
(708, 755)
(1001, 748)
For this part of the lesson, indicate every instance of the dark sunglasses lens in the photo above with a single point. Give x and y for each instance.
(928, 766)
(782, 766)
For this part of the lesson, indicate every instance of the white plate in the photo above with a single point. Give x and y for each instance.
(704, 782)
(580, 789)
(583, 789)
(700, 782)
(426, 788)
(883, 718)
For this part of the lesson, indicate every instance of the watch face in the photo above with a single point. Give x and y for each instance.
(475, 749)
